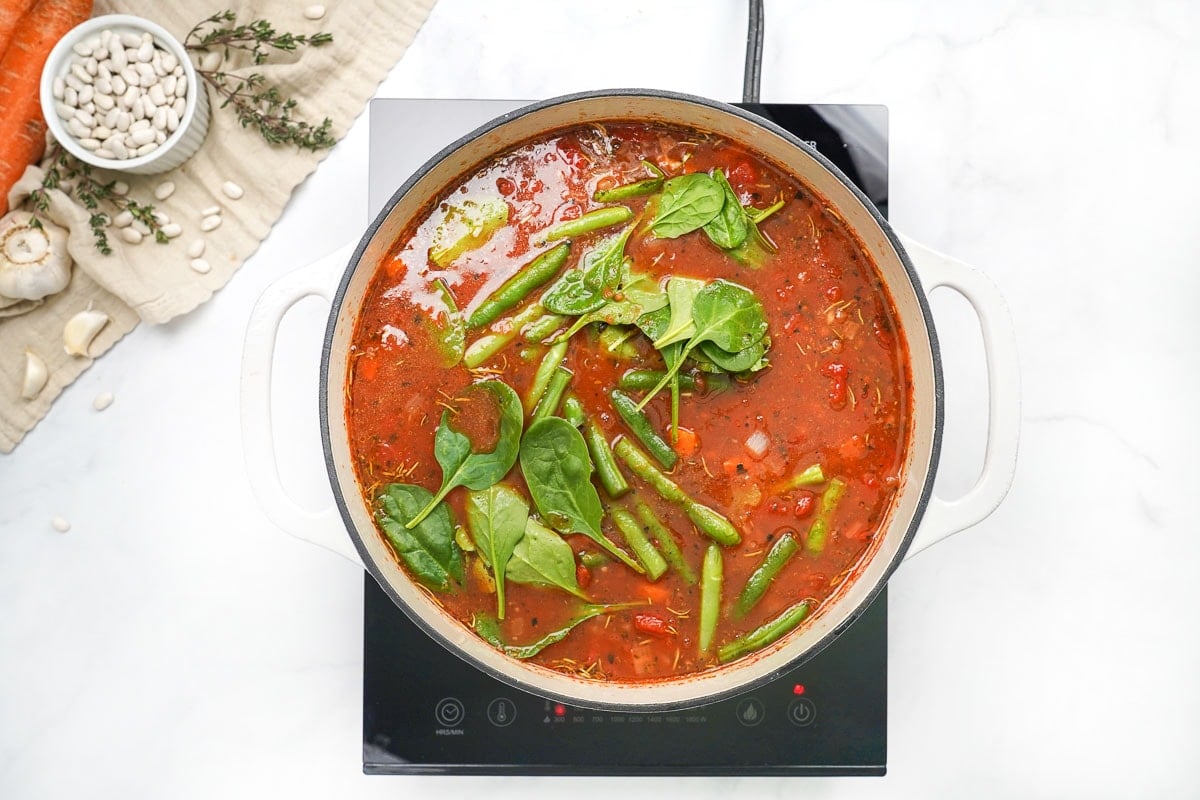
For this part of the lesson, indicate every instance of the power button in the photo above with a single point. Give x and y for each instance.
(802, 712)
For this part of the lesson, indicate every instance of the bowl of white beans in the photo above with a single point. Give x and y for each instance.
(120, 93)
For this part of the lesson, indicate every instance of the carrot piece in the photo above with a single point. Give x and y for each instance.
(11, 12)
(22, 129)
(686, 442)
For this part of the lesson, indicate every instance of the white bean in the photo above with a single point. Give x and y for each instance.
(104, 152)
(61, 525)
(130, 76)
(117, 146)
(131, 39)
(64, 111)
(110, 119)
(82, 49)
(89, 143)
(89, 107)
(104, 102)
(172, 230)
(160, 136)
(118, 86)
(124, 120)
(180, 105)
(86, 94)
(172, 120)
(210, 223)
(210, 60)
(60, 87)
(314, 12)
(138, 110)
(131, 235)
(144, 70)
(141, 227)
(130, 97)
(120, 188)
(181, 86)
(103, 86)
(164, 190)
(85, 118)
(200, 265)
(145, 52)
(91, 66)
(100, 54)
(232, 190)
(123, 219)
(118, 59)
(160, 119)
(208, 212)
(168, 86)
(100, 132)
(71, 98)
(73, 82)
(104, 71)
(140, 125)
(147, 149)
(77, 128)
(143, 136)
(196, 248)
(169, 62)
(80, 73)
(148, 80)
(158, 94)
(102, 401)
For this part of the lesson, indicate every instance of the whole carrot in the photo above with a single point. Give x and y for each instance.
(11, 12)
(22, 129)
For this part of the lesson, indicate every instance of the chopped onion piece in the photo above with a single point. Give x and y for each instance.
(757, 444)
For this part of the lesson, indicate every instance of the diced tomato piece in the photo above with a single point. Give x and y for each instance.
(833, 292)
(805, 502)
(583, 576)
(652, 624)
(366, 367)
(834, 369)
(687, 442)
(505, 186)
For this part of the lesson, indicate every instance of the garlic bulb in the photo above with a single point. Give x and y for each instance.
(81, 329)
(36, 376)
(33, 260)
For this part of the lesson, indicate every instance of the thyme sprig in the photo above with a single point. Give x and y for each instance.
(256, 104)
(75, 179)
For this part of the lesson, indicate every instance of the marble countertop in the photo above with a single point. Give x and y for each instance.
(176, 644)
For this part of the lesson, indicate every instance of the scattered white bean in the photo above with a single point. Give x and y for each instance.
(123, 219)
(121, 93)
(102, 401)
(131, 235)
(61, 525)
(164, 190)
(208, 212)
(141, 227)
(172, 230)
(196, 248)
(120, 188)
(210, 223)
(314, 12)
(232, 190)
(210, 60)
(200, 265)
(160, 217)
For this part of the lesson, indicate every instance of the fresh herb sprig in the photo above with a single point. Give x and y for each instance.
(256, 104)
(75, 179)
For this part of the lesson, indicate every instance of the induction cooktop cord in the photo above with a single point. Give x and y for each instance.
(752, 77)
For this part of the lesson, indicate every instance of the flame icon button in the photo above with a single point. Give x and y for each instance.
(750, 712)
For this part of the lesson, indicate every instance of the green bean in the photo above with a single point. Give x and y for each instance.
(542, 327)
(711, 577)
(635, 537)
(591, 221)
(811, 476)
(545, 371)
(709, 522)
(760, 214)
(819, 532)
(629, 191)
(505, 331)
(639, 423)
(594, 559)
(573, 411)
(554, 392)
(765, 634)
(518, 287)
(615, 340)
(602, 459)
(640, 380)
(760, 580)
(666, 542)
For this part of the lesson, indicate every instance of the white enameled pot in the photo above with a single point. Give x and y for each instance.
(916, 519)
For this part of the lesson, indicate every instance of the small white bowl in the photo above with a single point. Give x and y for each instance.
(178, 147)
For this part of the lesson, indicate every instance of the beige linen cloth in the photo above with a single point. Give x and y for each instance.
(154, 283)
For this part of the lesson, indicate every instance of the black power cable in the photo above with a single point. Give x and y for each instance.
(752, 77)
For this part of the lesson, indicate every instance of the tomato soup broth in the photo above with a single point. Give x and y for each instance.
(833, 392)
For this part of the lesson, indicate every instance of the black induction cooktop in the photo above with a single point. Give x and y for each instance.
(426, 711)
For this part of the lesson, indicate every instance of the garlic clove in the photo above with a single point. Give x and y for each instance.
(36, 376)
(34, 262)
(81, 329)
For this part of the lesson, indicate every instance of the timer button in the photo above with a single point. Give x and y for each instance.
(449, 711)
(750, 712)
(802, 712)
(501, 712)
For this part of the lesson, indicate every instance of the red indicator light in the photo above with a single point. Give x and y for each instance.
(560, 710)
(798, 689)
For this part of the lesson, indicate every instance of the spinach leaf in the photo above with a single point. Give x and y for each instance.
(543, 558)
(639, 295)
(681, 292)
(451, 339)
(489, 629)
(586, 288)
(654, 323)
(724, 313)
(557, 469)
(729, 228)
(750, 359)
(462, 467)
(429, 549)
(688, 203)
(728, 315)
(467, 226)
(497, 517)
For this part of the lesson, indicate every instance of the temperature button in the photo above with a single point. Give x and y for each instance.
(449, 711)
(501, 712)
(802, 712)
(750, 712)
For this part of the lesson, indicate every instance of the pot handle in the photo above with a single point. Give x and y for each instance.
(325, 527)
(945, 517)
